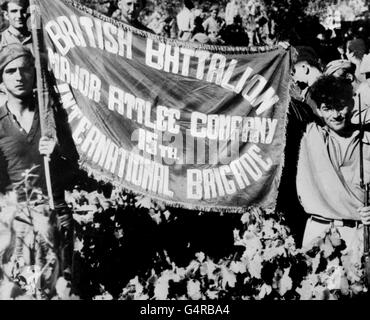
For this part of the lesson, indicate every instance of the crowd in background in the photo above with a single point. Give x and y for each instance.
(245, 23)
(239, 23)
(331, 41)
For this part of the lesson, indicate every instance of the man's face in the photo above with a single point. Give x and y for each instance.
(16, 15)
(130, 9)
(337, 117)
(18, 77)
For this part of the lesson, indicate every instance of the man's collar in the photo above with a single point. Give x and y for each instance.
(16, 33)
(4, 111)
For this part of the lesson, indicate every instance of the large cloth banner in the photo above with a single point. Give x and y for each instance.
(196, 126)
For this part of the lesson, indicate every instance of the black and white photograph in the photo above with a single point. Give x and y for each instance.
(170, 150)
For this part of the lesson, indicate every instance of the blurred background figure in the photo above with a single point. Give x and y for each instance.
(364, 88)
(233, 9)
(130, 11)
(185, 21)
(198, 26)
(106, 7)
(213, 25)
(156, 22)
(235, 34)
(169, 25)
(356, 49)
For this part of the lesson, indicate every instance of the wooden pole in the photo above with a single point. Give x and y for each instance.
(42, 86)
(365, 187)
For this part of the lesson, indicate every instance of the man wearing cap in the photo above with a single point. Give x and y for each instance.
(328, 173)
(15, 12)
(347, 70)
(21, 145)
(340, 68)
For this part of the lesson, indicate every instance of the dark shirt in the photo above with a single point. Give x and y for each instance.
(19, 151)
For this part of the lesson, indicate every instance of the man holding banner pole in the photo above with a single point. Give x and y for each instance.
(329, 182)
(23, 145)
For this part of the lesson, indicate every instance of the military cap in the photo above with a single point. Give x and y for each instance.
(336, 65)
(11, 52)
(22, 3)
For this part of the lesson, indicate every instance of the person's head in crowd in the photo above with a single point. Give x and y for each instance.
(214, 11)
(365, 68)
(257, 9)
(130, 9)
(198, 10)
(334, 99)
(307, 68)
(16, 13)
(17, 71)
(106, 7)
(356, 49)
(341, 69)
